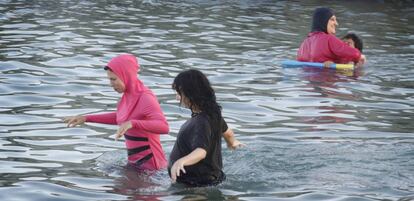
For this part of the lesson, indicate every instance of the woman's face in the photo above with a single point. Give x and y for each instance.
(115, 82)
(183, 100)
(331, 27)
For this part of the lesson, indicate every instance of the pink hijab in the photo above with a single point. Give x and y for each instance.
(126, 66)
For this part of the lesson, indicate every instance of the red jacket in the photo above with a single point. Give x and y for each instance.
(321, 47)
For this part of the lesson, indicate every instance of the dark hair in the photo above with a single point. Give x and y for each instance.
(320, 19)
(357, 40)
(194, 85)
(107, 68)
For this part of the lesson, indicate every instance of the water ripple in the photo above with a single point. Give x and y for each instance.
(311, 134)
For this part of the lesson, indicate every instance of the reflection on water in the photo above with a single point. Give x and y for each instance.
(311, 134)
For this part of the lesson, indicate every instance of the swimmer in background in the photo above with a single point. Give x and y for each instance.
(321, 45)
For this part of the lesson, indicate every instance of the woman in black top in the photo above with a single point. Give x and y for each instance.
(196, 157)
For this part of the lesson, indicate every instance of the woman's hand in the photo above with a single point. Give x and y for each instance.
(232, 142)
(235, 144)
(327, 64)
(176, 169)
(123, 128)
(361, 61)
(192, 158)
(74, 120)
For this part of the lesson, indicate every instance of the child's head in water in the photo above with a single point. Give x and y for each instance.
(353, 40)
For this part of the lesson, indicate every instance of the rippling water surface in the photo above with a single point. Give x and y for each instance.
(310, 134)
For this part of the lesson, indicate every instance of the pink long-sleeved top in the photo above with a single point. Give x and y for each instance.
(140, 106)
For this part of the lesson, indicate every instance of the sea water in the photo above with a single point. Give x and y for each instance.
(310, 134)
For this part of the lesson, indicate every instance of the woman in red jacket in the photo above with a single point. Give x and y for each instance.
(323, 46)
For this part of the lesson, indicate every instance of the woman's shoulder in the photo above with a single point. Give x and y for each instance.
(148, 98)
(332, 37)
(197, 121)
(200, 118)
(318, 37)
(148, 94)
(317, 34)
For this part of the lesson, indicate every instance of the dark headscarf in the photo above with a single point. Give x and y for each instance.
(320, 19)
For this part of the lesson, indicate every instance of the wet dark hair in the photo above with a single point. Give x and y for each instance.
(194, 85)
(357, 40)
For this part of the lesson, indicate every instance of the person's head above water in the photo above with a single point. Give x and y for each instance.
(354, 41)
(122, 73)
(324, 20)
(194, 90)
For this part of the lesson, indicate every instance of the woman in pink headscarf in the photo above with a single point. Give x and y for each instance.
(138, 115)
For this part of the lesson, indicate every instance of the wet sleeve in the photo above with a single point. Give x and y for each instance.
(154, 120)
(201, 135)
(105, 118)
(343, 51)
(224, 126)
(303, 51)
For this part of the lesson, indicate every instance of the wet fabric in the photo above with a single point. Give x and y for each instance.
(140, 106)
(196, 133)
(321, 47)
